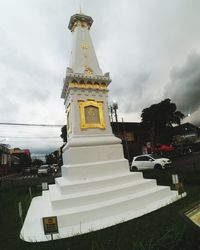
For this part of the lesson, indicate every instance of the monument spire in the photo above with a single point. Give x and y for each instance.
(80, 10)
(83, 64)
(83, 57)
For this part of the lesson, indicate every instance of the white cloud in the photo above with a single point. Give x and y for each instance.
(184, 87)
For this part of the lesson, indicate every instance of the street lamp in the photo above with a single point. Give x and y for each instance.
(114, 108)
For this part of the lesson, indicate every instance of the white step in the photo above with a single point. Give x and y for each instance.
(96, 195)
(101, 223)
(69, 187)
(94, 169)
(73, 216)
(97, 216)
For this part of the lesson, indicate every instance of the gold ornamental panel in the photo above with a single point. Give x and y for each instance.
(91, 114)
(87, 85)
(84, 46)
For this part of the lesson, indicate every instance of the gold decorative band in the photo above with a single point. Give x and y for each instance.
(87, 85)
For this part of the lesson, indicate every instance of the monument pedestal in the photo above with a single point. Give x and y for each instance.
(94, 194)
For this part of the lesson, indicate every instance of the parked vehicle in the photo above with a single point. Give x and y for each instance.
(30, 170)
(26, 170)
(54, 168)
(44, 170)
(150, 161)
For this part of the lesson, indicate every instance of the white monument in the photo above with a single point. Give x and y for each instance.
(96, 189)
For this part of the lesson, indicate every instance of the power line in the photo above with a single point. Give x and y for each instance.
(21, 141)
(29, 124)
(32, 137)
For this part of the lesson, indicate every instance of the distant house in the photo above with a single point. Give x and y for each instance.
(12, 160)
(185, 133)
(5, 160)
(23, 156)
(134, 137)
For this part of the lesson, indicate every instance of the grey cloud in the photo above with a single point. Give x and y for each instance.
(194, 118)
(38, 139)
(8, 109)
(184, 85)
(25, 92)
(129, 90)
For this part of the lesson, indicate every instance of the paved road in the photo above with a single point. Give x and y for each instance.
(26, 180)
(188, 161)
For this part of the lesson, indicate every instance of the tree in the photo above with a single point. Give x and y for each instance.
(160, 117)
(64, 133)
(37, 162)
(53, 158)
(50, 159)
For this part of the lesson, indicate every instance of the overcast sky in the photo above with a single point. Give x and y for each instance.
(151, 49)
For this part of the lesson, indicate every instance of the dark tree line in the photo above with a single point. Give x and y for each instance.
(159, 118)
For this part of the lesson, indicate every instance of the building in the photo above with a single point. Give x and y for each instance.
(23, 156)
(5, 160)
(185, 133)
(134, 137)
(9, 163)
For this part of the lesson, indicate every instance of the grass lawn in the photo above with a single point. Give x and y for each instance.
(164, 229)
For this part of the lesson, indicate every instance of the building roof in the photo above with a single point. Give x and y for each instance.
(184, 128)
(4, 148)
(127, 126)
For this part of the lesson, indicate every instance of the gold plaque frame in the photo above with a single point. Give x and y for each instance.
(83, 105)
(192, 214)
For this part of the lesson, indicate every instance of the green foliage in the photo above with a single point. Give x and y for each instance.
(159, 118)
(53, 158)
(37, 162)
(162, 115)
(64, 133)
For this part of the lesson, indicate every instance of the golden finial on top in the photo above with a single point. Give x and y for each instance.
(80, 11)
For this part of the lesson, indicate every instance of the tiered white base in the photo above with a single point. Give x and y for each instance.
(94, 195)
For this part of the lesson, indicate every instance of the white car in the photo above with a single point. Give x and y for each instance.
(150, 161)
(44, 170)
